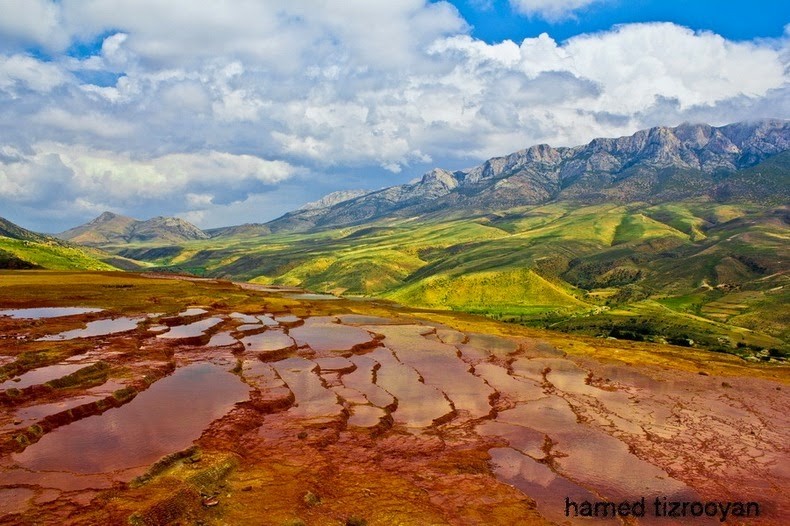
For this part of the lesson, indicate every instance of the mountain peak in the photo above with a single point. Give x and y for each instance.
(13, 231)
(110, 228)
(441, 178)
(106, 217)
(332, 199)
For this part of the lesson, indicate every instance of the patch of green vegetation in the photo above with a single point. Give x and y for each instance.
(686, 303)
(638, 227)
(48, 254)
(650, 320)
(483, 291)
(95, 374)
(681, 218)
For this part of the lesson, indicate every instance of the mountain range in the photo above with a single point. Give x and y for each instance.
(670, 234)
(656, 165)
(659, 164)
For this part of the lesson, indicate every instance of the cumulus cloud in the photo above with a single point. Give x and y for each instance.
(91, 123)
(32, 22)
(90, 180)
(551, 10)
(191, 107)
(20, 73)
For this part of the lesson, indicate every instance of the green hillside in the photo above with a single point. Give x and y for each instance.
(691, 273)
(512, 292)
(23, 249)
(16, 253)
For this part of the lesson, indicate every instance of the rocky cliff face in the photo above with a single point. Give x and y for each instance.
(651, 165)
(333, 199)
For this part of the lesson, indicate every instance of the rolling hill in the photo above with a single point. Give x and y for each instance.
(23, 249)
(672, 234)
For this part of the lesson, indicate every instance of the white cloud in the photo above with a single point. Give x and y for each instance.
(482, 5)
(544, 91)
(91, 123)
(21, 72)
(117, 180)
(177, 90)
(636, 63)
(199, 200)
(551, 10)
(32, 22)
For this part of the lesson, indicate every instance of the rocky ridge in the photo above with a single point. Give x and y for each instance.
(658, 164)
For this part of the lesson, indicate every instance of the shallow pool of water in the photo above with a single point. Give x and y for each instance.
(365, 416)
(96, 328)
(194, 311)
(192, 330)
(47, 312)
(247, 327)
(311, 296)
(165, 418)
(419, 405)
(288, 319)
(361, 380)
(324, 337)
(27, 416)
(361, 319)
(335, 364)
(544, 486)
(244, 318)
(222, 339)
(313, 400)
(268, 321)
(268, 341)
(43, 375)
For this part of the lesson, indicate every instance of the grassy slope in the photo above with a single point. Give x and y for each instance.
(51, 255)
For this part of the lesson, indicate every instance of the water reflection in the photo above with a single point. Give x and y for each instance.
(192, 330)
(42, 375)
(96, 328)
(166, 417)
(47, 312)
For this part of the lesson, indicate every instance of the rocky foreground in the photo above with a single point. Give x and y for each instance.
(165, 401)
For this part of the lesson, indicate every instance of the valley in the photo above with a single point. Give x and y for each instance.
(689, 273)
(671, 235)
(411, 263)
(463, 349)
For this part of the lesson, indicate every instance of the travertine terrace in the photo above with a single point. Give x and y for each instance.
(223, 404)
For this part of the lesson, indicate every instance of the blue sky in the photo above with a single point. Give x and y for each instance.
(231, 112)
(497, 20)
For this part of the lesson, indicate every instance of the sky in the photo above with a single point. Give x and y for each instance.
(230, 112)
